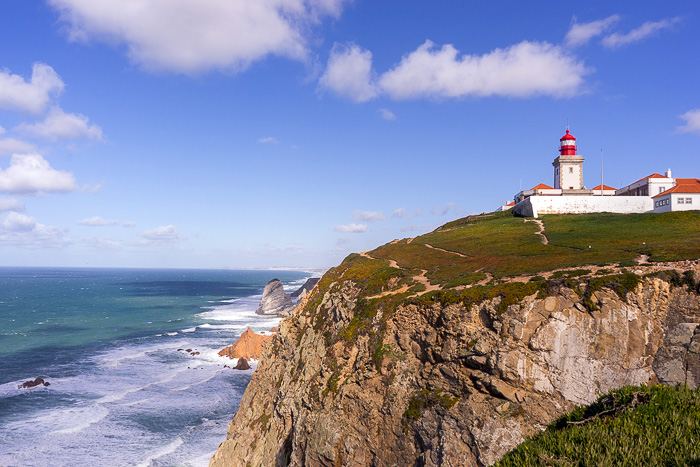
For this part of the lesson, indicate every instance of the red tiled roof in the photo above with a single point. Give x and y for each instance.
(605, 187)
(512, 203)
(654, 175)
(684, 185)
(542, 186)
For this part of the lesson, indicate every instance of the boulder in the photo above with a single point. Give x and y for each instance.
(242, 364)
(274, 301)
(36, 382)
(248, 346)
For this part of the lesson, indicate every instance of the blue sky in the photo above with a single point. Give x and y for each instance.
(290, 133)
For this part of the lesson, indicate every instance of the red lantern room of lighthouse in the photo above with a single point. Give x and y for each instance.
(568, 167)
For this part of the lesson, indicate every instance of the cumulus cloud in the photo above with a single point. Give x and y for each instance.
(97, 221)
(581, 33)
(268, 140)
(367, 216)
(193, 36)
(692, 122)
(642, 32)
(162, 235)
(15, 146)
(59, 125)
(387, 114)
(11, 204)
(522, 70)
(24, 231)
(349, 73)
(29, 96)
(31, 174)
(350, 228)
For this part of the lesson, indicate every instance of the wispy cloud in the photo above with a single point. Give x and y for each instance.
(15, 146)
(349, 73)
(692, 122)
(581, 33)
(163, 235)
(268, 140)
(11, 204)
(350, 228)
(367, 216)
(444, 210)
(642, 32)
(97, 221)
(387, 114)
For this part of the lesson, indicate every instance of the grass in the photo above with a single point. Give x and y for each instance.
(663, 429)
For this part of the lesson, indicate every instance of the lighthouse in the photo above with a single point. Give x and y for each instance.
(568, 166)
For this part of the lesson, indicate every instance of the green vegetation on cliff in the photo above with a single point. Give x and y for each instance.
(650, 426)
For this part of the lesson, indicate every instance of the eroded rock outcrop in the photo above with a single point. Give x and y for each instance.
(306, 288)
(274, 301)
(421, 383)
(249, 346)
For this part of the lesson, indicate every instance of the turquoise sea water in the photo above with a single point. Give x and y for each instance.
(112, 344)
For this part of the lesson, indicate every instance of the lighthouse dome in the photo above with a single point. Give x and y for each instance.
(568, 137)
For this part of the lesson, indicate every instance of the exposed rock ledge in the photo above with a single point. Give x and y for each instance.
(274, 301)
(248, 346)
(451, 385)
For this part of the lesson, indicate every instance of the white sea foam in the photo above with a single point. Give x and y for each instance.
(80, 419)
(163, 451)
(190, 329)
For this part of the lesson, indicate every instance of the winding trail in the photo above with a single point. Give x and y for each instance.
(446, 251)
(545, 240)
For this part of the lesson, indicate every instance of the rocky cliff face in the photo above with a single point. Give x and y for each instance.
(248, 346)
(435, 382)
(274, 301)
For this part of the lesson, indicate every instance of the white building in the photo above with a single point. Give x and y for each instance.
(655, 193)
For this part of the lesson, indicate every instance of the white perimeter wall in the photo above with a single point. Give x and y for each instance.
(537, 205)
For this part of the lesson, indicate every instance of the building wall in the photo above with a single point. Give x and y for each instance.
(571, 176)
(537, 205)
(670, 202)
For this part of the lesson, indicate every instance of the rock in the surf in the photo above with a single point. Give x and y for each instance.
(242, 364)
(36, 382)
(248, 346)
(274, 301)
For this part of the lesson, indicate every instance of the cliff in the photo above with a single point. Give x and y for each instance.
(423, 352)
(248, 346)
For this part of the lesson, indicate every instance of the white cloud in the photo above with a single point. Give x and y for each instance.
(31, 174)
(350, 228)
(2, 131)
(32, 96)
(59, 125)
(522, 70)
(387, 114)
(349, 73)
(11, 204)
(97, 221)
(268, 140)
(24, 231)
(192, 36)
(368, 216)
(581, 33)
(692, 122)
(129, 224)
(15, 146)
(449, 207)
(645, 30)
(401, 213)
(165, 234)
(101, 243)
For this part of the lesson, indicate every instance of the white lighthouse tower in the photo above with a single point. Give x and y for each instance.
(568, 167)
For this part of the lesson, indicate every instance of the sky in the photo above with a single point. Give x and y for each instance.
(291, 133)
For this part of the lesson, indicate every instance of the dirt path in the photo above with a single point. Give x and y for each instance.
(545, 240)
(446, 251)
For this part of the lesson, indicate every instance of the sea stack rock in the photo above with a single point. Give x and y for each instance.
(248, 346)
(274, 301)
(242, 364)
(306, 288)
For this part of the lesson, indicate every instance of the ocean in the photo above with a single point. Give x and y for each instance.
(113, 345)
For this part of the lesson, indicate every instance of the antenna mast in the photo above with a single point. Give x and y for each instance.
(601, 173)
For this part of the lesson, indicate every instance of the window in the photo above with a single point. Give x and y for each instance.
(571, 170)
(689, 201)
(656, 204)
(661, 189)
(680, 200)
